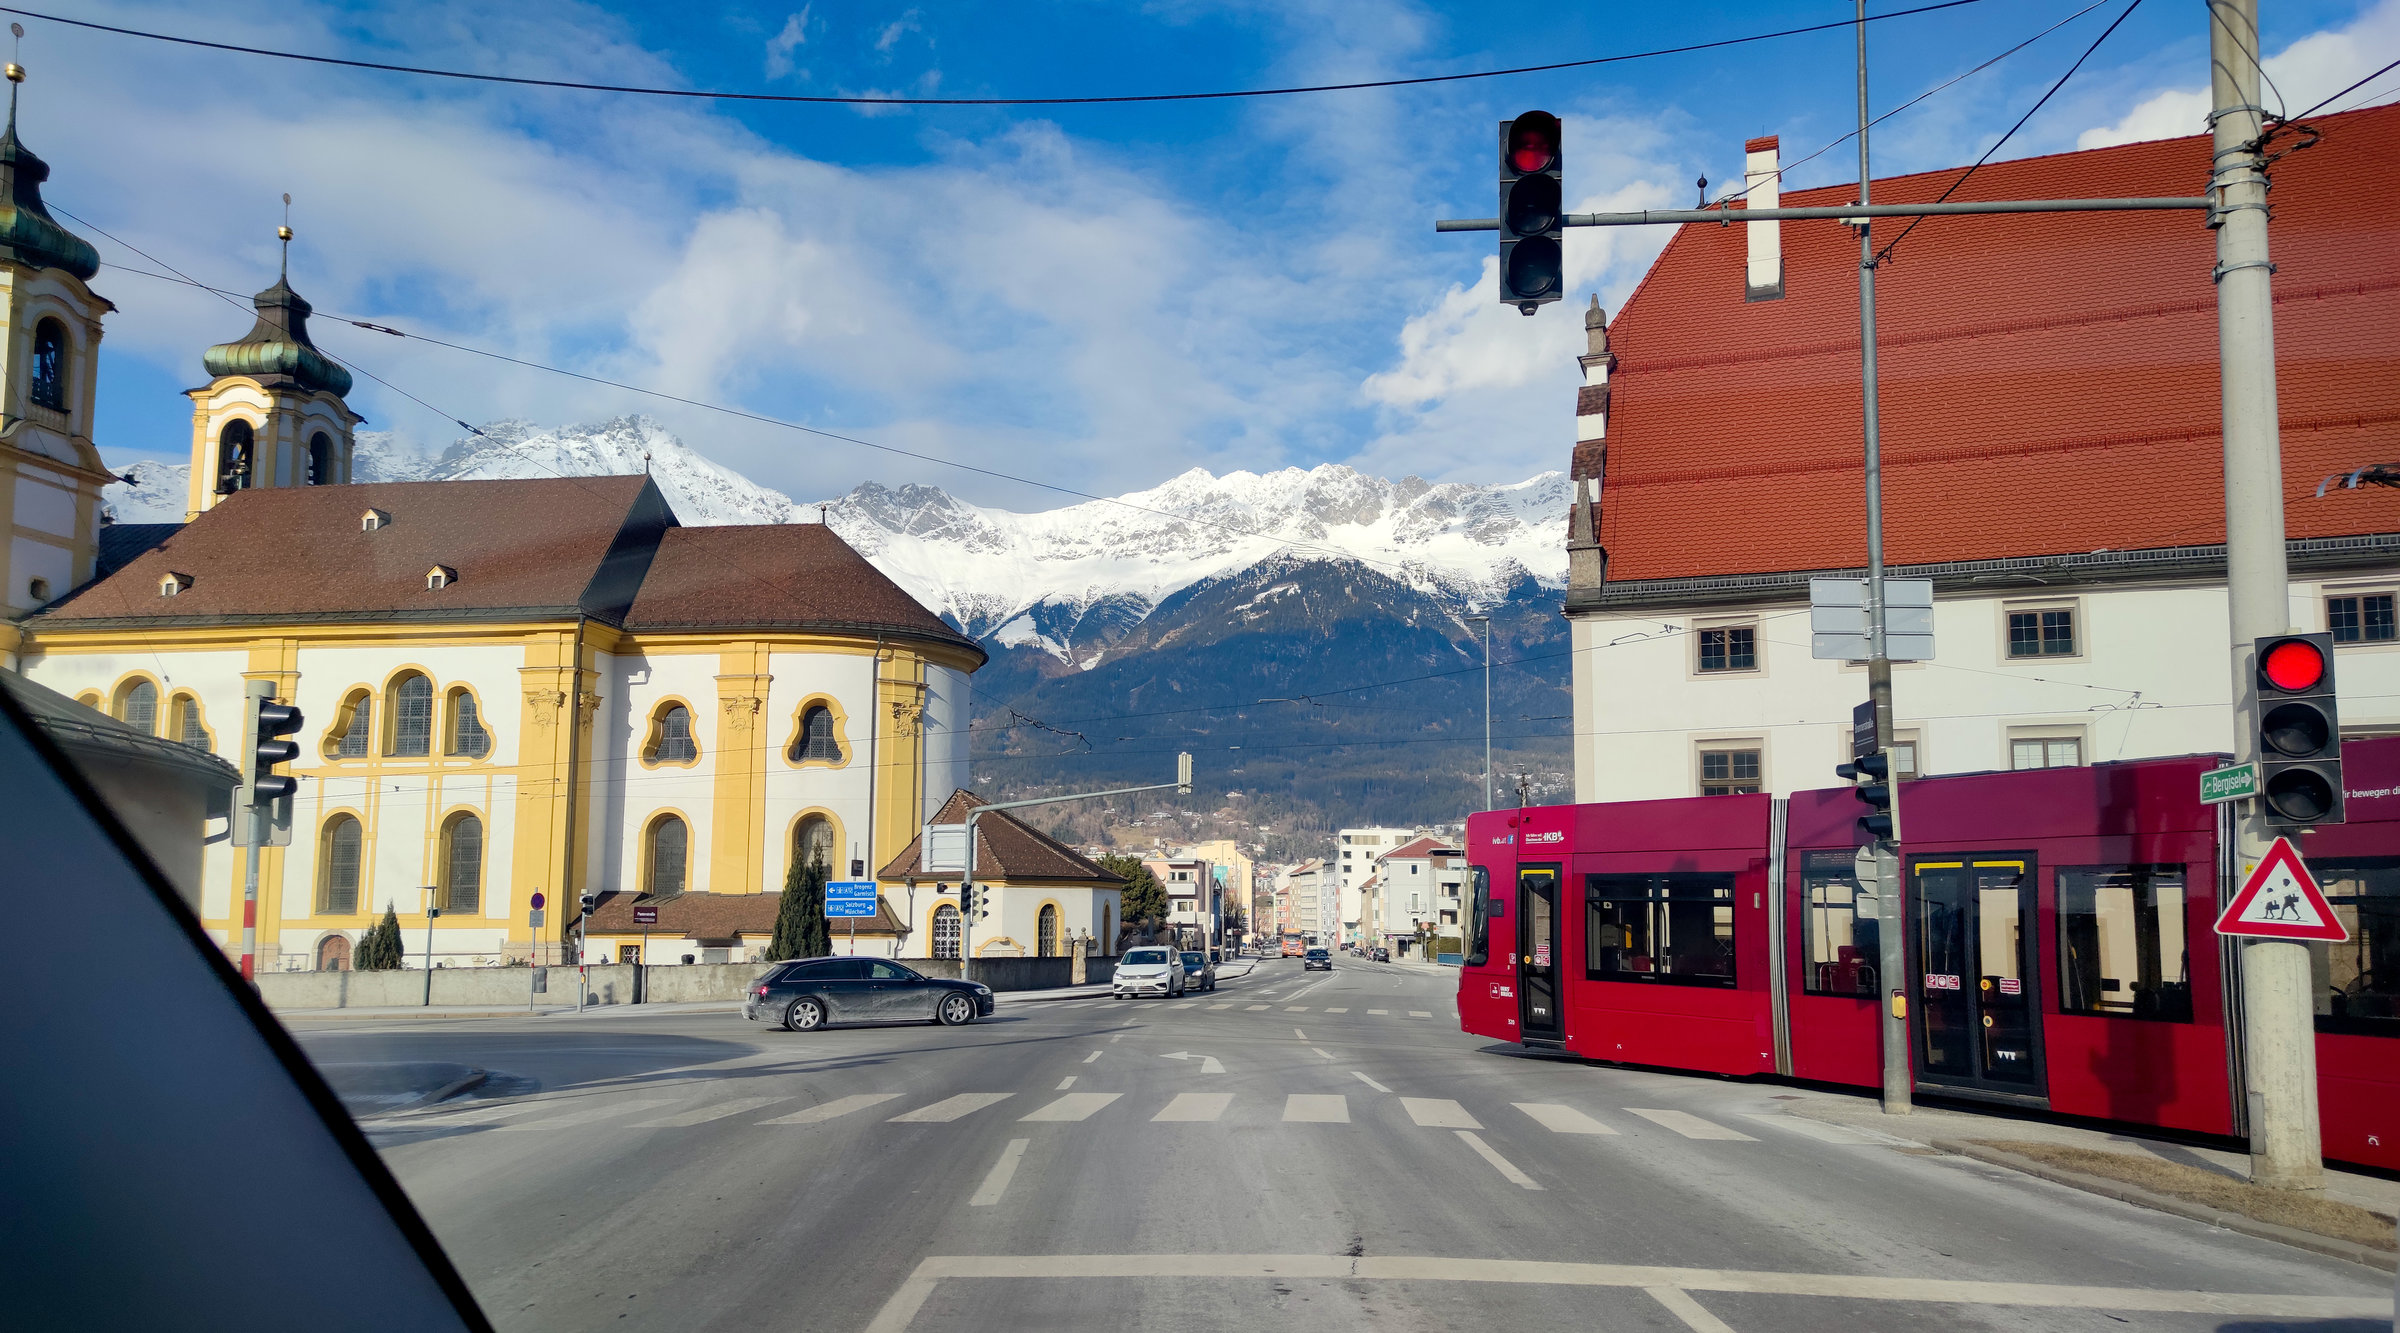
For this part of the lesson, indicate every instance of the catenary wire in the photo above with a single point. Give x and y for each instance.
(876, 100)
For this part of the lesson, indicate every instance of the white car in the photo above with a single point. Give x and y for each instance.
(1148, 971)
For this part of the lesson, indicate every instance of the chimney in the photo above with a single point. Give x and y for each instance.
(1764, 179)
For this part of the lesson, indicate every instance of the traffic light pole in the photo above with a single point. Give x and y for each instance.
(250, 897)
(2278, 1015)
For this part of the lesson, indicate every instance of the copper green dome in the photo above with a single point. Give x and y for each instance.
(28, 233)
(277, 349)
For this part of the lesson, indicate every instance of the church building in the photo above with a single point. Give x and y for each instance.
(510, 688)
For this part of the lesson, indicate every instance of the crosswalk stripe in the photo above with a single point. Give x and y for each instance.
(1419, 1013)
(1384, 1012)
(1500, 1164)
(1690, 1126)
(1439, 1113)
(1254, 1008)
(1816, 1129)
(704, 1114)
(839, 1106)
(1562, 1119)
(1189, 1106)
(1073, 1106)
(1317, 1108)
(604, 1111)
(1337, 1011)
(1295, 1008)
(1220, 1006)
(950, 1108)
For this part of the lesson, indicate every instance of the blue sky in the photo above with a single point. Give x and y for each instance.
(1101, 297)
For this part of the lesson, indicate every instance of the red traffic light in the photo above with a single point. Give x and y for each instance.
(1533, 142)
(2293, 665)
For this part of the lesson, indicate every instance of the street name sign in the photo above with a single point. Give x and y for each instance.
(1862, 731)
(2228, 784)
(2281, 901)
(645, 916)
(1837, 620)
(850, 898)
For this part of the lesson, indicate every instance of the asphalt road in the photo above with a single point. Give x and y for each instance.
(1297, 1150)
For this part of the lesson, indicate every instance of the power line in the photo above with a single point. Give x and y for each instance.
(2342, 94)
(724, 95)
(1886, 251)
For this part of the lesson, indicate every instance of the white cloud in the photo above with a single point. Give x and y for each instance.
(781, 46)
(912, 21)
(2304, 73)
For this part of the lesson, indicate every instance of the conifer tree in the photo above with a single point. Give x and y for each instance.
(800, 930)
(380, 949)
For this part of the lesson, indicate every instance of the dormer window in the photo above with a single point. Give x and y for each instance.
(173, 584)
(49, 386)
(440, 577)
(373, 519)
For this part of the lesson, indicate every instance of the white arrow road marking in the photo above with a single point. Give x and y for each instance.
(1208, 1063)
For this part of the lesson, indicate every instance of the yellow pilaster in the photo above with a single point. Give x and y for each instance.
(899, 752)
(737, 833)
(551, 686)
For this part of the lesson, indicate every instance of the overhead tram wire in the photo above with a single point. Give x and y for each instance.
(2340, 95)
(700, 94)
(1886, 252)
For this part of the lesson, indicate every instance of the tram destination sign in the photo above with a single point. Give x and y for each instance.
(2232, 783)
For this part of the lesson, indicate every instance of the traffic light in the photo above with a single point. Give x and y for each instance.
(1532, 204)
(1875, 790)
(974, 904)
(2299, 731)
(262, 807)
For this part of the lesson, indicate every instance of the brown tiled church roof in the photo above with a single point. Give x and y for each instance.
(720, 916)
(772, 576)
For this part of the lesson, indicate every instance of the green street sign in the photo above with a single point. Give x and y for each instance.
(2229, 784)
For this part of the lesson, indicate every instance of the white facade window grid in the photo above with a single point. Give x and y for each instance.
(2045, 631)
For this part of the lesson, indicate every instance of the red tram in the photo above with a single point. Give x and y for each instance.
(2061, 945)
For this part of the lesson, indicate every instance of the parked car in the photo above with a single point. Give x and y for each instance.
(1315, 959)
(1151, 970)
(811, 993)
(1199, 970)
(1383, 955)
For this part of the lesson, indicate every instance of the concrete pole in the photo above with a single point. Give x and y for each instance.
(2279, 1037)
(1891, 924)
(1487, 713)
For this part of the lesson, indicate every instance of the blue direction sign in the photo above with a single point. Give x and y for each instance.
(850, 898)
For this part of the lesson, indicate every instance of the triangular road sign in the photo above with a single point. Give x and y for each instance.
(2281, 901)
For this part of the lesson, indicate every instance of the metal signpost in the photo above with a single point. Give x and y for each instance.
(534, 916)
(645, 917)
(433, 913)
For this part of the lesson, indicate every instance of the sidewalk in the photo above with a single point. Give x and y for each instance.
(2353, 1219)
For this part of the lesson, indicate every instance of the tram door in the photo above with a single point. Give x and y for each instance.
(1977, 1011)
(1538, 953)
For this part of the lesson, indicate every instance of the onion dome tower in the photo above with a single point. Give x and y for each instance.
(273, 414)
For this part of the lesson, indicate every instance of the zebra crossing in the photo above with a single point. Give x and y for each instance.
(1060, 1006)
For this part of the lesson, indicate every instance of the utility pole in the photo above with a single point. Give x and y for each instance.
(2278, 1016)
(1891, 921)
(433, 913)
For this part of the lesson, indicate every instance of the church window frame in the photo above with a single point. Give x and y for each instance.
(237, 456)
(820, 734)
(464, 732)
(135, 703)
(341, 864)
(827, 833)
(1049, 934)
(352, 735)
(409, 704)
(672, 741)
(947, 931)
(188, 721)
(320, 459)
(667, 847)
(48, 369)
(460, 870)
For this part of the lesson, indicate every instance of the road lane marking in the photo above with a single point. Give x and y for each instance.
(1254, 1008)
(950, 1108)
(1003, 1171)
(1419, 1013)
(1384, 1012)
(1368, 1081)
(1337, 1011)
(910, 1297)
(1317, 1108)
(707, 1113)
(1690, 1126)
(1680, 1304)
(1073, 1106)
(1500, 1164)
(481, 1116)
(1093, 1056)
(1066, 1083)
(590, 1114)
(1322, 1051)
(1298, 1033)
(1818, 1129)
(1191, 1106)
(839, 1106)
(1562, 1119)
(1438, 1113)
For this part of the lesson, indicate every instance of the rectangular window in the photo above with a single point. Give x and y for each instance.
(1479, 922)
(2045, 751)
(1729, 648)
(2358, 980)
(1675, 928)
(2361, 618)
(1904, 759)
(2045, 632)
(1841, 931)
(1728, 772)
(2122, 952)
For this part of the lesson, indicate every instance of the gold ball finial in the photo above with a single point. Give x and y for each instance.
(283, 233)
(16, 72)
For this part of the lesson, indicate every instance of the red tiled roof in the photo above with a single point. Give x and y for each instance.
(2049, 381)
(1414, 849)
(773, 575)
(1006, 848)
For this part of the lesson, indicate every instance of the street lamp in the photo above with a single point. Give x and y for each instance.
(1487, 707)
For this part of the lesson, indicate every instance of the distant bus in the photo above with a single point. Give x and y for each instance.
(1293, 945)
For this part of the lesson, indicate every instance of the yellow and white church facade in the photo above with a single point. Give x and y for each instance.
(510, 688)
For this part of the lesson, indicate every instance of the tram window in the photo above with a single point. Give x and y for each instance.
(1668, 928)
(1479, 925)
(2121, 943)
(1842, 935)
(2358, 979)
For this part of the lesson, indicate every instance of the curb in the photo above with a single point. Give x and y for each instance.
(2380, 1260)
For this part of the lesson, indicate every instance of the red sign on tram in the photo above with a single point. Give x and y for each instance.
(2281, 901)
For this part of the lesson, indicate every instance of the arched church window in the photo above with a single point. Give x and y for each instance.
(816, 741)
(190, 728)
(234, 454)
(49, 387)
(137, 706)
(320, 459)
(353, 727)
(812, 842)
(412, 717)
(462, 864)
(467, 736)
(945, 931)
(671, 737)
(337, 866)
(663, 864)
(1046, 934)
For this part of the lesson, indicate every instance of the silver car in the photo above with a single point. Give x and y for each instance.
(1150, 970)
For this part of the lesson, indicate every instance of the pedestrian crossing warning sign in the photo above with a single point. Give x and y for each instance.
(2281, 901)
